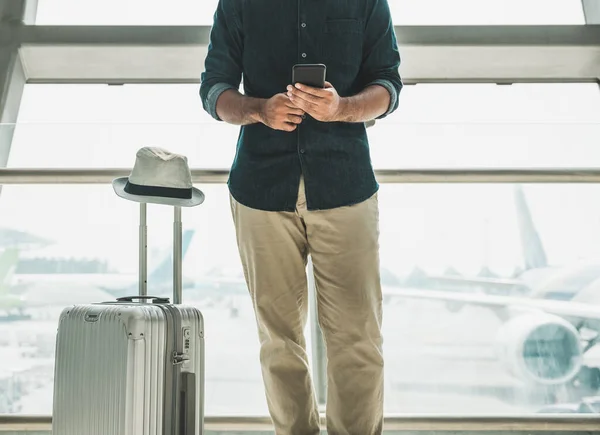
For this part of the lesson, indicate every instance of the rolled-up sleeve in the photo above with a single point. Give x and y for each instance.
(223, 63)
(381, 57)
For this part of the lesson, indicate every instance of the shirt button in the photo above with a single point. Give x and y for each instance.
(303, 24)
(302, 150)
(303, 54)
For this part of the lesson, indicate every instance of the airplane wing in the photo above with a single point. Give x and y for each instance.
(573, 311)
(488, 285)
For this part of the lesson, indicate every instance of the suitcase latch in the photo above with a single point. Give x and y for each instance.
(179, 358)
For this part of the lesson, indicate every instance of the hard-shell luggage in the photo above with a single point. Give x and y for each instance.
(134, 366)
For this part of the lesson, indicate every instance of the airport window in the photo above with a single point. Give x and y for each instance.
(490, 291)
(490, 126)
(471, 242)
(474, 12)
(405, 12)
(121, 120)
(436, 125)
(93, 256)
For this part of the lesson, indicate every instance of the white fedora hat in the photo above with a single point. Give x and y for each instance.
(160, 177)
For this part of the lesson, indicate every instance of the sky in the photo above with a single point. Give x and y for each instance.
(436, 126)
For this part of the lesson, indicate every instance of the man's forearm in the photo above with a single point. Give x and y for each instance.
(238, 109)
(371, 102)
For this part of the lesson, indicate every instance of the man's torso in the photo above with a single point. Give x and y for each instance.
(333, 157)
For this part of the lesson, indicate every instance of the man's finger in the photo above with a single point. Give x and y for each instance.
(317, 92)
(294, 119)
(307, 97)
(289, 127)
(300, 103)
(303, 102)
(296, 112)
(293, 109)
(304, 95)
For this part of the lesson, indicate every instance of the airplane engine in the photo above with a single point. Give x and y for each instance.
(540, 349)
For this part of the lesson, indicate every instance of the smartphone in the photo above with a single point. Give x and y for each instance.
(310, 74)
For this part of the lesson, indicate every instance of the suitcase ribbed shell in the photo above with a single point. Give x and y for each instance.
(111, 361)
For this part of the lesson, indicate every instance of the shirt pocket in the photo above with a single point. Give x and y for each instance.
(343, 25)
(342, 44)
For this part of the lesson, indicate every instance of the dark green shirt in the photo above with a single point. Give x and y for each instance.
(261, 40)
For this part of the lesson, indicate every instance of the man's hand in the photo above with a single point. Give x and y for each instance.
(279, 113)
(322, 104)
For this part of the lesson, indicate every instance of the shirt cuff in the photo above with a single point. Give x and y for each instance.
(212, 97)
(393, 95)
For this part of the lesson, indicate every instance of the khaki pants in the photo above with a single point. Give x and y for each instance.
(344, 245)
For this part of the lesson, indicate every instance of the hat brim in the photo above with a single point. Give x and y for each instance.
(196, 199)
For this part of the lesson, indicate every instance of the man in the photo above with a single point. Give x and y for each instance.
(302, 183)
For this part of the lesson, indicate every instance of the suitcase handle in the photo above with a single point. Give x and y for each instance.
(155, 300)
(177, 254)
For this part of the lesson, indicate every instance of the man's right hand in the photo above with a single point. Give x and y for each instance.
(279, 113)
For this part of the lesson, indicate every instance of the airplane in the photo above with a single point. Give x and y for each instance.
(46, 290)
(537, 279)
(548, 336)
(11, 306)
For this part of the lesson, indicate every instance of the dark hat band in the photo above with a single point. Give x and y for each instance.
(168, 192)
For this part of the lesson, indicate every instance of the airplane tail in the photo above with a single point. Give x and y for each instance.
(164, 270)
(8, 263)
(531, 243)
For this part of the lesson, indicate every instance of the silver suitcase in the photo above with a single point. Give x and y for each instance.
(131, 368)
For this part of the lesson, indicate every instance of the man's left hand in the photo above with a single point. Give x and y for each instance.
(322, 104)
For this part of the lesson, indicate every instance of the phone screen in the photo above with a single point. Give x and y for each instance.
(309, 74)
